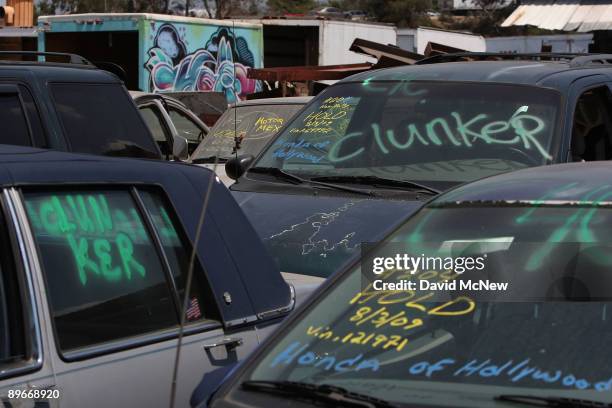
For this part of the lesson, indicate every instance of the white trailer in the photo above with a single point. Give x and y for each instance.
(301, 41)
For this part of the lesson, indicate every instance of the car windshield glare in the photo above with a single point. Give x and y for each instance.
(434, 132)
(545, 334)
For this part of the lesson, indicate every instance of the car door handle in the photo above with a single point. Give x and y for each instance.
(230, 343)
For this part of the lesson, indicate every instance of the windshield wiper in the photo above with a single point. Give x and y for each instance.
(556, 402)
(330, 394)
(209, 159)
(293, 179)
(379, 182)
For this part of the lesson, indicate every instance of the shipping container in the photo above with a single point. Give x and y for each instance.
(303, 41)
(161, 52)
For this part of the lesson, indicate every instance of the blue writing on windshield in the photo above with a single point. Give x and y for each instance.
(291, 150)
(511, 370)
(297, 353)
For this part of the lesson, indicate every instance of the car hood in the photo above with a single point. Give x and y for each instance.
(316, 235)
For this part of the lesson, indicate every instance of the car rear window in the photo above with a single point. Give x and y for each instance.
(101, 119)
(105, 278)
(200, 305)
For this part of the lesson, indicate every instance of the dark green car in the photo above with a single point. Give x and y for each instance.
(542, 338)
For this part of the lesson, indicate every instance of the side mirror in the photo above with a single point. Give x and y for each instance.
(236, 166)
(180, 148)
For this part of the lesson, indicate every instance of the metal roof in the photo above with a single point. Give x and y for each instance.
(512, 72)
(565, 15)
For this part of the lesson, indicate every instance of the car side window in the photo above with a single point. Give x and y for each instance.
(592, 126)
(186, 128)
(105, 280)
(200, 305)
(153, 118)
(15, 129)
(12, 334)
(101, 119)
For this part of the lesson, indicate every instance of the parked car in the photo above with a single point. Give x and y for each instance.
(329, 12)
(68, 104)
(255, 122)
(207, 106)
(168, 118)
(370, 149)
(356, 15)
(541, 342)
(93, 279)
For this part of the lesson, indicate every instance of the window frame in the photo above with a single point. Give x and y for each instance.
(7, 88)
(126, 343)
(24, 261)
(573, 105)
(158, 111)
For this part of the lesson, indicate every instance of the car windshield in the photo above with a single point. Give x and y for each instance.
(451, 348)
(435, 133)
(257, 123)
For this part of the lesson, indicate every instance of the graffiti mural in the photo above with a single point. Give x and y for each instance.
(183, 57)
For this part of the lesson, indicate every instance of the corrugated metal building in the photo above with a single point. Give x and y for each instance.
(568, 15)
(563, 15)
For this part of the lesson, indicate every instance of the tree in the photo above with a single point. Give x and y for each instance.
(221, 9)
(399, 12)
(291, 6)
(47, 7)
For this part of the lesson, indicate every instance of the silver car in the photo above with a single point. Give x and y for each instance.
(96, 286)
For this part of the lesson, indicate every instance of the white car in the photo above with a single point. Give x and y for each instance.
(254, 122)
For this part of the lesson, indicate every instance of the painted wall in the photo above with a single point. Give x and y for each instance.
(178, 53)
(199, 57)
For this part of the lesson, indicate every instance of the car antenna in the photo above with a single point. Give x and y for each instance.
(192, 256)
(237, 138)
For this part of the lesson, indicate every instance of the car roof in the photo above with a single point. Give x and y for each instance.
(287, 100)
(568, 182)
(186, 186)
(506, 71)
(139, 96)
(60, 72)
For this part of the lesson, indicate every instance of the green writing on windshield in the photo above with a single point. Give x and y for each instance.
(576, 227)
(519, 130)
(100, 238)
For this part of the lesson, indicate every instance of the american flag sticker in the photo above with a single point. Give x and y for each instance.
(193, 311)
